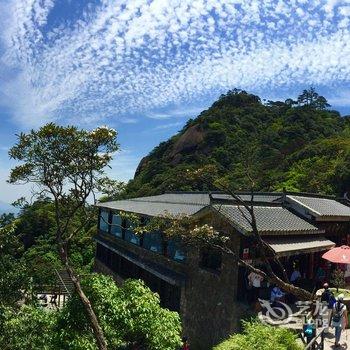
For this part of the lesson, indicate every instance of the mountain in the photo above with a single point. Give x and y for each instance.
(298, 145)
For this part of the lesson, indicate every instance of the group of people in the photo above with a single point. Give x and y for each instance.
(276, 295)
(337, 315)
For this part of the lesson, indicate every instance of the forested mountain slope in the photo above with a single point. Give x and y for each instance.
(300, 145)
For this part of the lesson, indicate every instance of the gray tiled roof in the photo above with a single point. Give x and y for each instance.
(247, 197)
(200, 198)
(321, 206)
(270, 219)
(153, 208)
(176, 203)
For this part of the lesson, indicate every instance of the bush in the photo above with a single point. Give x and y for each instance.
(130, 315)
(29, 328)
(259, 336)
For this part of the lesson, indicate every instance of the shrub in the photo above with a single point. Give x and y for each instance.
(259, 336)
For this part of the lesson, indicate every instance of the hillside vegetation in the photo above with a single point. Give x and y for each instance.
(299, 145)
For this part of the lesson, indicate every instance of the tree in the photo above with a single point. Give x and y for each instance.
(338, 279)
(13, 275)
(66, 163)
(29, 328)
(259, 336)
(6, 219)
(130, 316)
(311, 98)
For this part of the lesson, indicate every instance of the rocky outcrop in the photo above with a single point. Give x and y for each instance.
(188, 141)
(142, 165)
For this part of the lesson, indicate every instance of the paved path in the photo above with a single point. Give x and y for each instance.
(344, 341)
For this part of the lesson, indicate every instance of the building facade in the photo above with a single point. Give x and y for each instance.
(208, 288)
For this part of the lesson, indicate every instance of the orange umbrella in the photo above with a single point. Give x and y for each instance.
(338, 255)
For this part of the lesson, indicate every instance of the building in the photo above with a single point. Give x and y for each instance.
(207, 288)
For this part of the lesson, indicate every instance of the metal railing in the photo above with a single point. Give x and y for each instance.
(63, 283)
(316, 343)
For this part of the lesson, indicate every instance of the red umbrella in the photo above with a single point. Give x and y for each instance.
(339, 255)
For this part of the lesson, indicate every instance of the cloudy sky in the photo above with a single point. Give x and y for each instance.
(145, 67)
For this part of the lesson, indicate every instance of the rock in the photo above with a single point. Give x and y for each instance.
(188, 141)
(142, 165)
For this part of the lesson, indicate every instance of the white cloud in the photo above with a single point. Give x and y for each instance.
(125, 57)
(187, 112)
(168, 126)
(123, 165)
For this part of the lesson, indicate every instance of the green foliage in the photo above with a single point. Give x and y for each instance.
(259, 336)
(129, 315)
(28, 250)
(6, 219)
(30, 328)
(14, 279)
(311, 98)
(54, 154)
(36, 228)
(299, 145)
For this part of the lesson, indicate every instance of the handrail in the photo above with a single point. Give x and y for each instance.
(313, 341)
(63, 284)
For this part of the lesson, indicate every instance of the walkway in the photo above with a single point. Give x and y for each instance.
(344, 341)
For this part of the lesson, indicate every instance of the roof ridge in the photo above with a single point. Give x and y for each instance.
(311, 195)
(167, 202)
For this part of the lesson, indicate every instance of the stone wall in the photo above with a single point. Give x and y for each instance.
(211, 312)
(208, 306)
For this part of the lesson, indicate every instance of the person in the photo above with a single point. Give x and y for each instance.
(296, 276)
(309, 329)
(276, 295)
(320, 276)
(339, 318)
(53, 300)
(327, 298)
(185, 344)
(254, 281)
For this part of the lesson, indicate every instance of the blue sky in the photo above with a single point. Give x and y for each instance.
(145, 67)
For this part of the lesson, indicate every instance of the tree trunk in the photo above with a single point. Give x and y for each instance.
(98, 332)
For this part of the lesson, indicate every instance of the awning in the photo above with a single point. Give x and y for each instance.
(287, 246)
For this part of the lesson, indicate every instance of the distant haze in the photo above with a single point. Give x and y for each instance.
(7, 208)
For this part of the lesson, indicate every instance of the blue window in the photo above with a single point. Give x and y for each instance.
(175, 251)
(153, 241)
(130, 236)
(104, 220)
(116, 227)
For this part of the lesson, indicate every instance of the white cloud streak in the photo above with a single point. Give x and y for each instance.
(168, 126)
(123, 57)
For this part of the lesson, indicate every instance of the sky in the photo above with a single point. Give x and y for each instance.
(146, 67)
